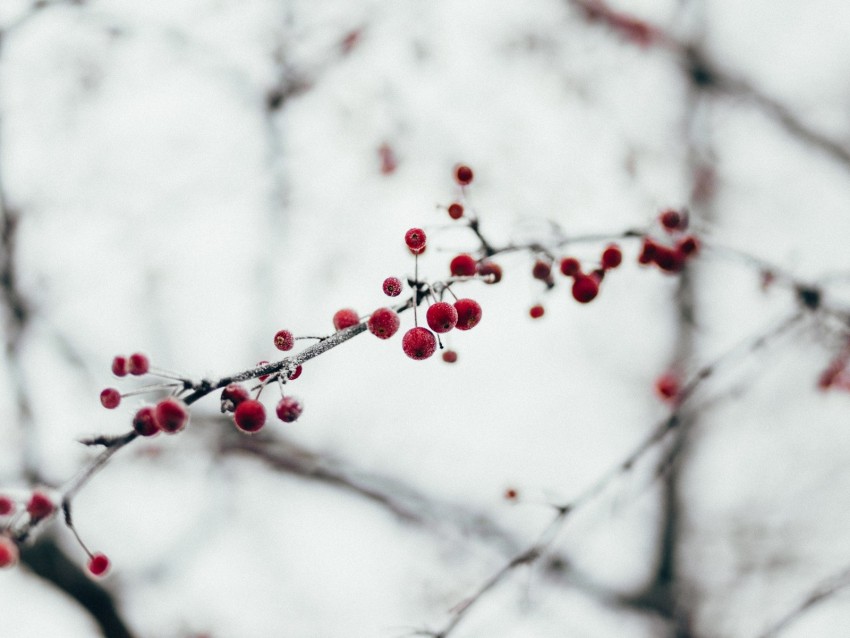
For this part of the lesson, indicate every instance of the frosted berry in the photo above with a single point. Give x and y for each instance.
(40, 506)
(673, 220)
(585, 288)
(455, 210)
(171, 415)
(110, 398)
(8, 552)
(383, 323)
(449, 356)
(441, 317)
(295, 373)
(288, 409)
(612, 257)
(415, 240)
(345, 318)
(119, 366)
(138, 364)
(7, 506)
(250, 416)
(232, 395)
(667, 387)
(392, 286)
(463, 266)
(570, 266)
(490, 270)
(542, 270)
(283, 340)
(419, 343)
(468, 313)
(463, 174)
(144, 422)
(98, 564)
(536, 311)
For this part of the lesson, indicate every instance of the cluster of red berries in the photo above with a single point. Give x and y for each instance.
(249, 415)
(671, 255)
(585, 286)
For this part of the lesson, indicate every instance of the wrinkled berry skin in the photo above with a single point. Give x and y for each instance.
(419, 343)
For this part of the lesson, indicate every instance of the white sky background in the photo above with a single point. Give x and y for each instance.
(164, 210)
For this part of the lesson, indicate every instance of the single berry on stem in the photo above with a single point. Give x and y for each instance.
(585, 288)
(144, 422)
(463, 174)
(419, 343)
(392, 286)
(441, 317)
(667, 387)
(463, 266)
(110, 398)
(536, 311)
(250, 416)
(98, 564)
(138, 364)
(688, 245)
(612, 257)
(455, 210)
(542, 270)
(119, 366)
(289, 409)
(570, 266)
(8, 552)
(468, 313)
(345, 318)
(415, 240)
(673, 220)
(283, 340)
(171, 415)
(40, 506)
(383, 323)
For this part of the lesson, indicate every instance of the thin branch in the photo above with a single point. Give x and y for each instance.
(823, 591)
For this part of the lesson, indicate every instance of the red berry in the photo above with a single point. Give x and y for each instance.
(612, 257)
(490, 270)
(419, 343)
(144, 422)
(455, 210)
(647, 252)
(250, 416)
(7, 505)
(383, 323)
(8, 552)
(673, 220)
(542, 270)
(667, 387)
(119, 366)
(570, 266)
(171, 415)
(110, 398)
(688, 245)
(295, 373)
(232, 395)
(40, 506)
(415, 240)
(345, 318)
(667, 259)
(138, 364)
(511, 494)
(449, 356)
(463, 174)
(463, 266)
(98, 564)
(441, 317)
(392, 286)
(262, 377)
(585, 288)
(468, 313)
(536, 311)
(283, 340)
(289, 409)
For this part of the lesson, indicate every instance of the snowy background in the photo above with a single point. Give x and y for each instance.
(192, 176)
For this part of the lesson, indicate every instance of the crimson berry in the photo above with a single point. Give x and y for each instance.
(419, 343)
(138, 364)
(647, 253)
(119, 366)
(673, 220)
(144, 422)
(585, 288)
(295, 373)
(392, 286)
(468, 313)
(289, 409)
(667, 387)
(345, 318)
(490, 270)
(171, 415)
(536, 311)
(455, 210)
(688, 245)
(7, 505)
(232, 395)
(8, 552)
(668, 260)
(40, 506)
(110, 398)
(542, 270)
(463, 266)
(250, 416)
(463, 174)
(415, 240)
(511, 494)
(441, 317)
(384, 323)
(570, 266)
(612, 257)
(98, 564)
(449, 356)
(283, 340)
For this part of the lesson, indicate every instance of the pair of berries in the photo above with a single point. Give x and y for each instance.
(169, 415)
(136, 364)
